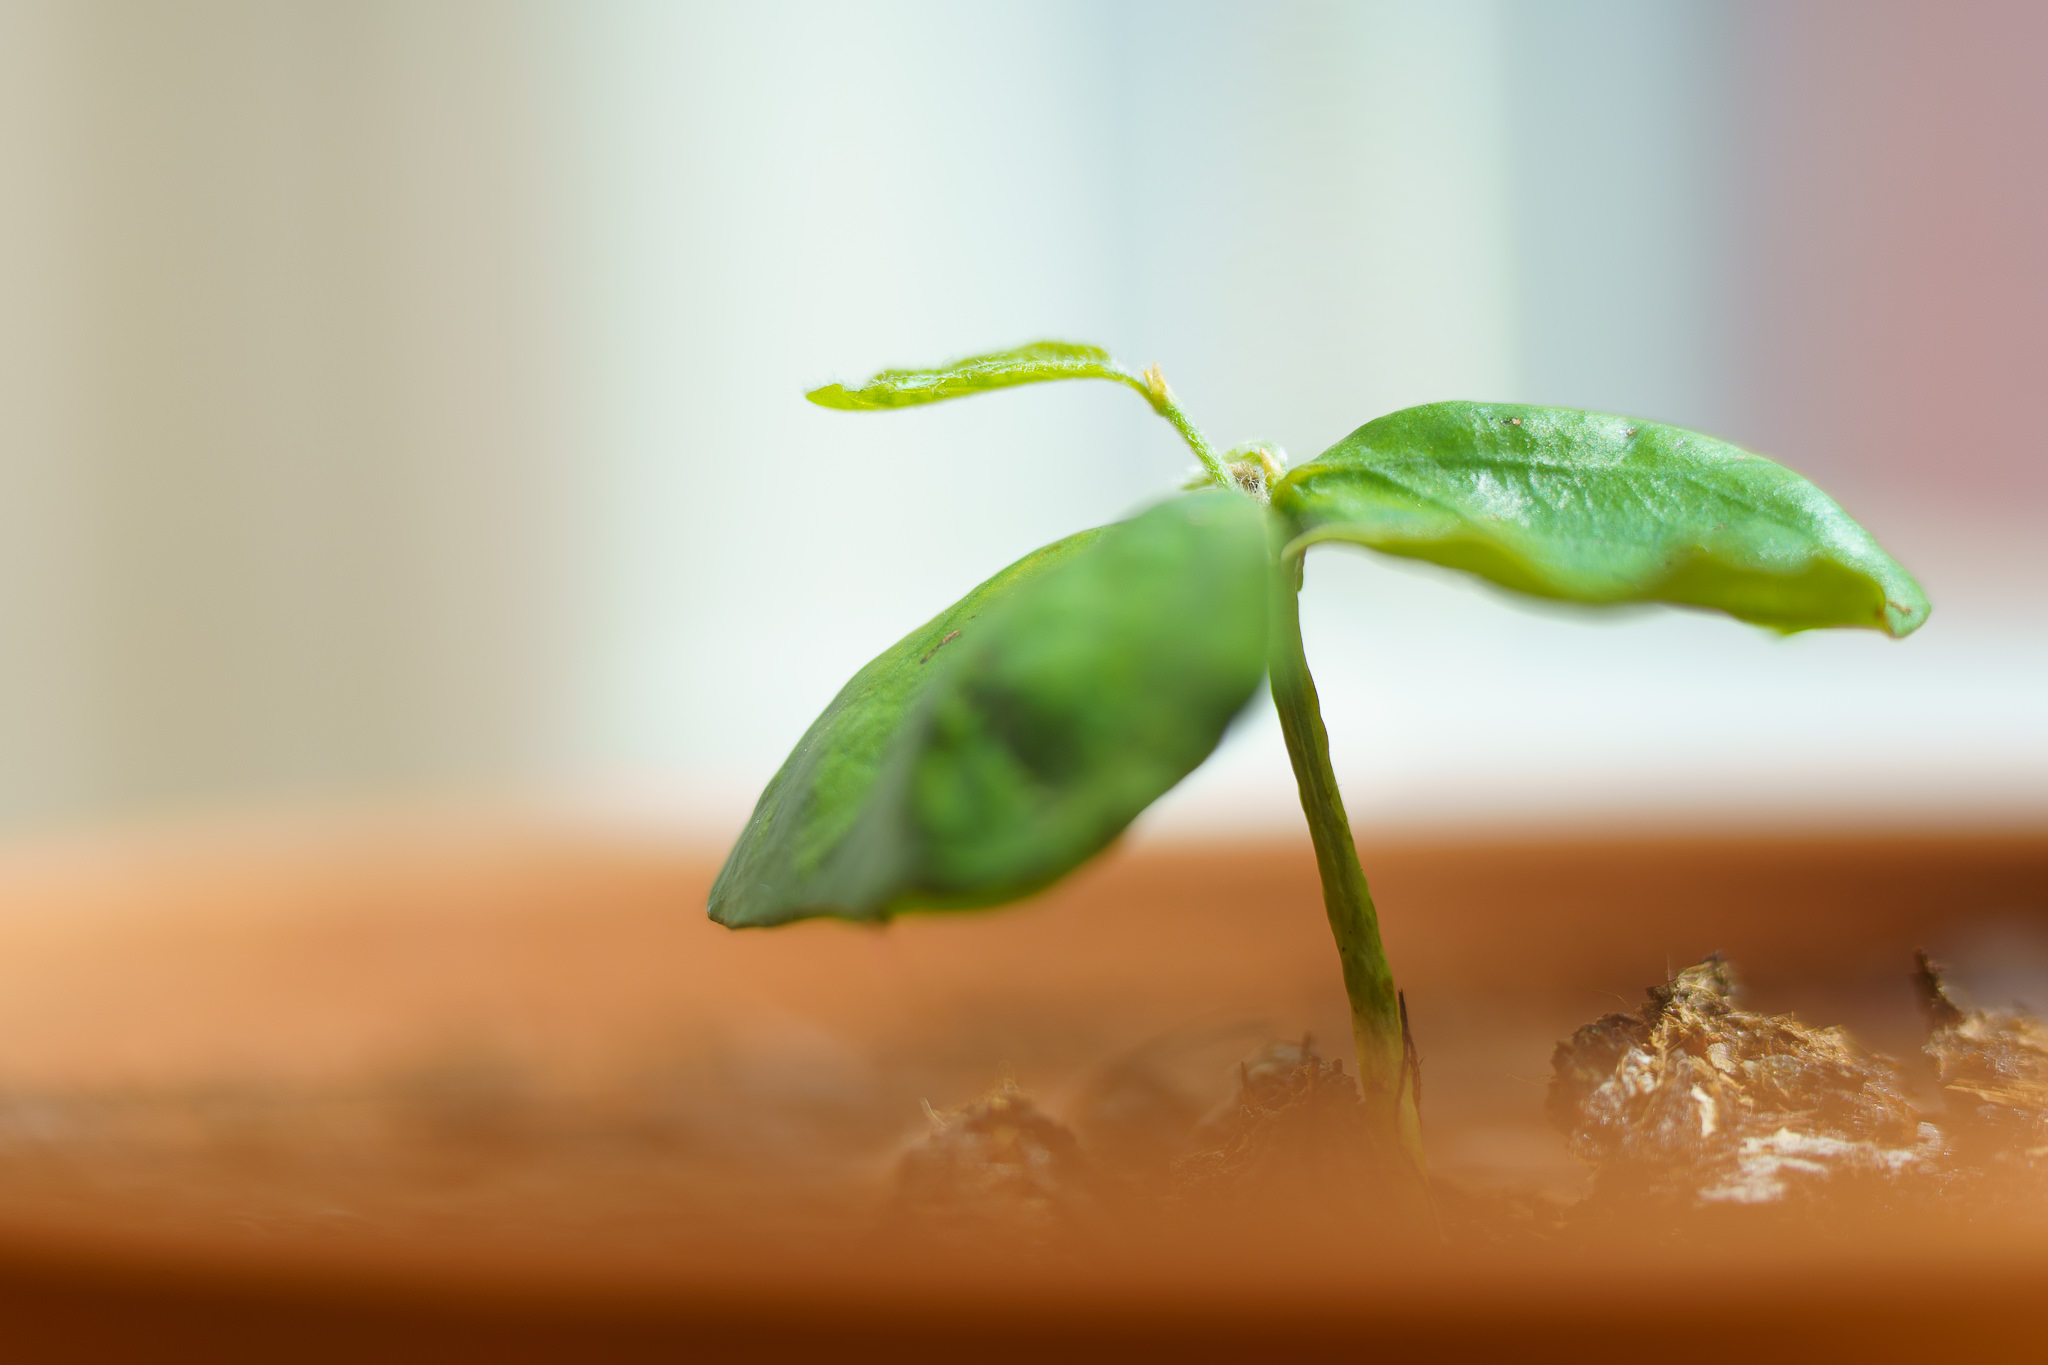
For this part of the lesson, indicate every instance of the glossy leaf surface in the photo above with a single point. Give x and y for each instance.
(1589, 507)
(1033, 364)
(1015, 735)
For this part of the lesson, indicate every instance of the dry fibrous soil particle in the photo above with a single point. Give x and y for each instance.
(997, 1162)
(1292, 1137)
(1992, 1066)
(1696, 1101)
(1691, 1103)
(1294, 1140)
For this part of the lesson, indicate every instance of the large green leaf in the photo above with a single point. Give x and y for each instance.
(1015, 735)
(1590, 507)
(1033, 364)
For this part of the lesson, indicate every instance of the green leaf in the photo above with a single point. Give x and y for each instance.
(1015, 735)
(1589, 507)
(1033, 364)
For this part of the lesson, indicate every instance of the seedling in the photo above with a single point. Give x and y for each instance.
(1009, 739)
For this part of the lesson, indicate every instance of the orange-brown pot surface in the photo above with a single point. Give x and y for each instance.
(503, 1092)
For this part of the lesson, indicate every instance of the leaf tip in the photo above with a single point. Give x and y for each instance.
(832, 396)
(1903, 618)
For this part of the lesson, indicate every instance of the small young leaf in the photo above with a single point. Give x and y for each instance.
(1009, 740)
(1033, 364)
(1594, 508)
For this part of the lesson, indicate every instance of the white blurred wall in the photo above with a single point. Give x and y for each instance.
(285, 441)
(1299, 211)
(406, 397)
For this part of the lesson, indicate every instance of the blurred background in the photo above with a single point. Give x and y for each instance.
(402, 402)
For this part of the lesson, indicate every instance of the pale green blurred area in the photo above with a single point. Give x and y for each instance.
(404, 400)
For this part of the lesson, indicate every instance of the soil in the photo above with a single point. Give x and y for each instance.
(491, 1066)
(1694, 1103)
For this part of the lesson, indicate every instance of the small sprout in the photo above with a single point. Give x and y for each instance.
(1105, 667)
(1255, 466)
(1155, 384)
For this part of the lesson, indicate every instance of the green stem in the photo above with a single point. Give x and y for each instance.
(1386, 1074)
(1192, 434)
(1152, 387)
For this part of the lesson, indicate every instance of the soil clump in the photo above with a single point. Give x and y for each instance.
(1695, 1101)
(1992, 1066)
(1291, 1146)
(1002, 1164)
(1292, 1133)
(1694, 1104)
(1693, 1111)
